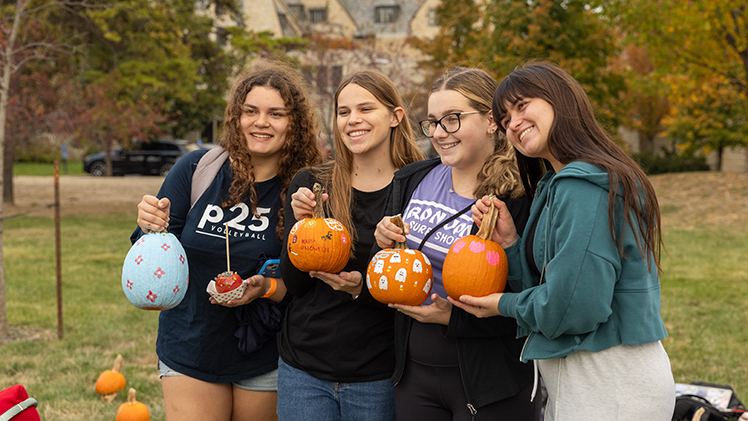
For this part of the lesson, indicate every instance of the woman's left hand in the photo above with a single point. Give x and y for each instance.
(438, 312)
(479, 306)
(350, 282)
(255, 289)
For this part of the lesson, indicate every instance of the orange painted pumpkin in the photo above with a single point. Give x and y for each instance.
(319, 243)
(132, 410)
(399, 275)
(475, 265)
(111, 381)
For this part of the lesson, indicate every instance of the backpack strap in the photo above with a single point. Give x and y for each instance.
(206, 170)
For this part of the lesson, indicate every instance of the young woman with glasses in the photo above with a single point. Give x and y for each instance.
(336, 340)
(452, 365)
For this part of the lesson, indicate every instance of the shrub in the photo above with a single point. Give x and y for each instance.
(669, 162)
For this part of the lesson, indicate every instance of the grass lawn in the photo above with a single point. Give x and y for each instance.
(704, 307)
(35, 168)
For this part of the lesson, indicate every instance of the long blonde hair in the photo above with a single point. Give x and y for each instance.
(336, 175)
(499, 174)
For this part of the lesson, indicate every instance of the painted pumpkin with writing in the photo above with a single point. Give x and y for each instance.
(155, 273)
(399, 275)
(319, 243)
(475, 265)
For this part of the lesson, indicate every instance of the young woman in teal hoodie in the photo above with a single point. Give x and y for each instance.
(586, 266)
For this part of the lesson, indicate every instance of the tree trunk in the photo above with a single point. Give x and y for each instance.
(9, 155)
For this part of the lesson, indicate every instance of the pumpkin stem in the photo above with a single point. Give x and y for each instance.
(118, 363)
(398, 221)
(489, 221)
(318, 212)
(131, 397)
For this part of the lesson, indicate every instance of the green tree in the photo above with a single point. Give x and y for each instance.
(501, 34)
(695, 45)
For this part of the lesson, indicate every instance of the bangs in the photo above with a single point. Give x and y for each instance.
(507, 93)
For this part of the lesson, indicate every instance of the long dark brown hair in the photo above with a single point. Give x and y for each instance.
(575, 135)
(336, 175)
(499, 174)
(300, 148)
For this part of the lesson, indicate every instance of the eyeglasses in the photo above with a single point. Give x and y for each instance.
(450, 123)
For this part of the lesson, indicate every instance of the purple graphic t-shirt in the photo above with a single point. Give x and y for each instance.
(431, 204)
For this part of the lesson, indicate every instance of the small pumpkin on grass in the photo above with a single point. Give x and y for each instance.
(399, 275)
(132, 410)
(475, 265)
(111, 381)
(318, 243)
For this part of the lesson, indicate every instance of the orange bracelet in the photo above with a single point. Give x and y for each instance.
(273, 287)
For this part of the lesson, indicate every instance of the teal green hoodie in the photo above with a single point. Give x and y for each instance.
(589, 297)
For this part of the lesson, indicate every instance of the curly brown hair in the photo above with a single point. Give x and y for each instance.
(300, 148)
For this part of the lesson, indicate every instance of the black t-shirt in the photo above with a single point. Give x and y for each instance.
(327, 333)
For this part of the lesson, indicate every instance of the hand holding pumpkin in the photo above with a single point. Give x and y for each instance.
(303, 203)
(487, 306)
(505, 232)
(438, 312)
(350, 282)
(153, 213)
(388, 233)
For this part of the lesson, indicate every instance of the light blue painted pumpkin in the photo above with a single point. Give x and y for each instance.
(155, 274)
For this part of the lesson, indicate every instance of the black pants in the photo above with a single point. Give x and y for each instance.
(436, 394)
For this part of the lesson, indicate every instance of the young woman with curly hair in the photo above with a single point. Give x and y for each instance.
(207, 372)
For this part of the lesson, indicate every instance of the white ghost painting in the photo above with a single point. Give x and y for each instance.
(401, 275)
(409, 251)
(417, 266)
(427, 287)
(395, 258)
(383, 283)
(368, 281)
(379, 266)
(428, 262)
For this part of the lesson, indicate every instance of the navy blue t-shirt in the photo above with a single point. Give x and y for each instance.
(196, 338)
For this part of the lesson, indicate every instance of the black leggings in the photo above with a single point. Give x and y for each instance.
(436, 394)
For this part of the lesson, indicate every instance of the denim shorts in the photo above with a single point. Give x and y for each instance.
(267, 382)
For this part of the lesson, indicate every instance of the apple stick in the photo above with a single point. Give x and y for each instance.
(228, 262)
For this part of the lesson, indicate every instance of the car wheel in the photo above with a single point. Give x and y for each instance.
(98, 169)
(165, 168)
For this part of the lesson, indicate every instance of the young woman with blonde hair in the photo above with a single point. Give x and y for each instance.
(452, 365)
(336, 341)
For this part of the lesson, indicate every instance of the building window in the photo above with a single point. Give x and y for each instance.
(317, 15)
(432, 17)
(386, 14)
(298, 11)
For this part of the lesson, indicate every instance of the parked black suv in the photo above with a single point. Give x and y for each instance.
(147, 158)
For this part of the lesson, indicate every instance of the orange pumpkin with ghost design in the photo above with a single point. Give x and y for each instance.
(399, 275)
